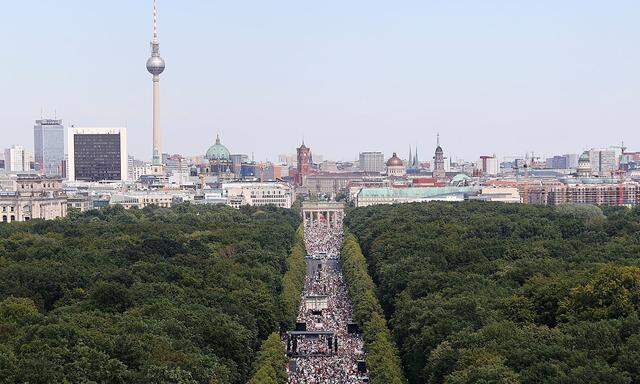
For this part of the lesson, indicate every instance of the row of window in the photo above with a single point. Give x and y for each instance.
(44, 185)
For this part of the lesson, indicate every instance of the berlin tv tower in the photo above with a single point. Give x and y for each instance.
(155, 66)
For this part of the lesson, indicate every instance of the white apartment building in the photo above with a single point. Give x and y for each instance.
(143, 199)
(258, 194)
(17, 159)
(489, 165)
(499, 194)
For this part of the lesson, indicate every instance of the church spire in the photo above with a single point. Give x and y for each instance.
(410, 158)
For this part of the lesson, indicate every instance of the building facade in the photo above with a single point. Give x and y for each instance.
(16, 159)
(608, 194)
(258, 194)
(48, 144)
(27, 197)
(97, 154)
(568, 161)
(371, 162)
(144, 199)
(332, 183)
(498, 194)
(603, 162)
(489, 165)
(377, 196)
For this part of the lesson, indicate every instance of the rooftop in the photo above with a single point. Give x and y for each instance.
(415, 192)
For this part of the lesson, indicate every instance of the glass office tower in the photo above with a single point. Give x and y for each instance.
(48, 143)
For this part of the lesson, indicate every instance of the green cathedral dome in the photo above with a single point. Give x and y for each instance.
(217, 151)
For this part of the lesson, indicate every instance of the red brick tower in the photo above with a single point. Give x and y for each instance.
(304, 163)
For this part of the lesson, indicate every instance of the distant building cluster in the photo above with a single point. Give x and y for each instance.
(81, 168)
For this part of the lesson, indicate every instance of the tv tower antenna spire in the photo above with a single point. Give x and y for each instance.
(155, 22)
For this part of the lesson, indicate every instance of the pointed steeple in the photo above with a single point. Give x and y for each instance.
(410, 158)
(416, 162)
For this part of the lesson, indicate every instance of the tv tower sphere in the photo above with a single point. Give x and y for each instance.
(155, 65)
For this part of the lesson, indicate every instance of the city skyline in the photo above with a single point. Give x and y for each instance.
(560, 82)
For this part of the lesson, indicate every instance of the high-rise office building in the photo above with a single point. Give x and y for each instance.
(97, 154)
(572, 160)
(603, 162)
(371, 162)
(568, 161)
(236, 162)
(556, 162)
(489, 165)
(48, 142)
(17, 159)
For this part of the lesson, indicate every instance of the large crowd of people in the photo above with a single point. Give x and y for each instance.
(330, 359)
(322, 240)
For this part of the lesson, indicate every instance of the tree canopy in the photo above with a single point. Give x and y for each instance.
(181, 295)
(482, 292)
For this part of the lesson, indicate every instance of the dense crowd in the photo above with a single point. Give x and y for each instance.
(315, 362)
(322, 241)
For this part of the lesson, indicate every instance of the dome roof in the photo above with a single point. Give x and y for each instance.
(217, 151)
(459, 178)
(439, 149)
(584, 158)
(395, 161)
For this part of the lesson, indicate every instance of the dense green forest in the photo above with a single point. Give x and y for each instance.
(182, 295)
(507, 293)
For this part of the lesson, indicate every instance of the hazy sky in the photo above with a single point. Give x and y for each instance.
(500, 77)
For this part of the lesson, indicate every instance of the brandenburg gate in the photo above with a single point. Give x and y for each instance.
(330, 212)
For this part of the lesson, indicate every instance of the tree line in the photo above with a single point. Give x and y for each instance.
(480, 292)
(159, 295)
(270, 366)
(382, 358)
